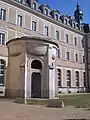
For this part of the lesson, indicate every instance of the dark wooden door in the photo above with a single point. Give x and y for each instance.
(36, 85)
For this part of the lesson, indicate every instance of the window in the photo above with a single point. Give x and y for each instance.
(3, 14)
(2, 69)
(46, 31)
(19, 22)
(68, 78)
(46, 11)
(56, 16)
(57, 35)
(77, 78)
(67, 55)
(75, 41)
(33, 25)
(82, 42)
(21, 1)
(83, 59)
(66, 21)
(59, 77)
(36, 64)
(66, 38)
(76, 58)
(57, 53)
(2, 38)
(81, 28)
(34, 5)
(84, 79)
(74, 25)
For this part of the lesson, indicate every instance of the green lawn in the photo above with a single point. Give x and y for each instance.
(78, 100)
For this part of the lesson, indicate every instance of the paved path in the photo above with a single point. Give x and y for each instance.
(13, 111)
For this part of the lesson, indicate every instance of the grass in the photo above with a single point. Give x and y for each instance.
(37, 102)
(78, 100)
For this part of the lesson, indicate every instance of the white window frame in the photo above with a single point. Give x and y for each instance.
(2, 69)
(77, 80)
(68, 50)
(69, 79)
(21, 1)
(83, 59)
(34, 25)
(34, 7)
(75, 41)
(66, 21)
(67, 37)
(76, 57)
(20, 20)
(3, 13)
(59, 80)
(76, 52)
(46, 13)
(57, 38)
(4, 32)
(74, 25)
(56, 16)
(23, 17)
(46, 32)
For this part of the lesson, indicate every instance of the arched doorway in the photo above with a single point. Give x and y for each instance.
(36, 66)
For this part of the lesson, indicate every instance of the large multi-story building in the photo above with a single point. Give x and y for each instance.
(64, 35)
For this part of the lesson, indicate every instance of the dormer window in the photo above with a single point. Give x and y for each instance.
(56, 16)
(74, 25)
(21, 1)
(81, 28)
(34, 6)
(66, 22)
(46, 11)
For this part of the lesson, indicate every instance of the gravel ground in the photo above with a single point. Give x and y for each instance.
(14, 111)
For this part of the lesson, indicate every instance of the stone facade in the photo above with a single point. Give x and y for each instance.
(22, 53)
(69, 59)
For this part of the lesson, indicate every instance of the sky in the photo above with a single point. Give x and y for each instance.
(68, 7)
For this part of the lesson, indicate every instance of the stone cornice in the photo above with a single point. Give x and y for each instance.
(26, 38)
(38, 14)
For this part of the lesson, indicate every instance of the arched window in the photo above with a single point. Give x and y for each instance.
(59, 77)
(36, 64)
(2, 69)
(68, 78)
(77, 78)
(84, 79)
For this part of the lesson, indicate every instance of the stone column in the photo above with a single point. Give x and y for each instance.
(51, 70)
(29, 74)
